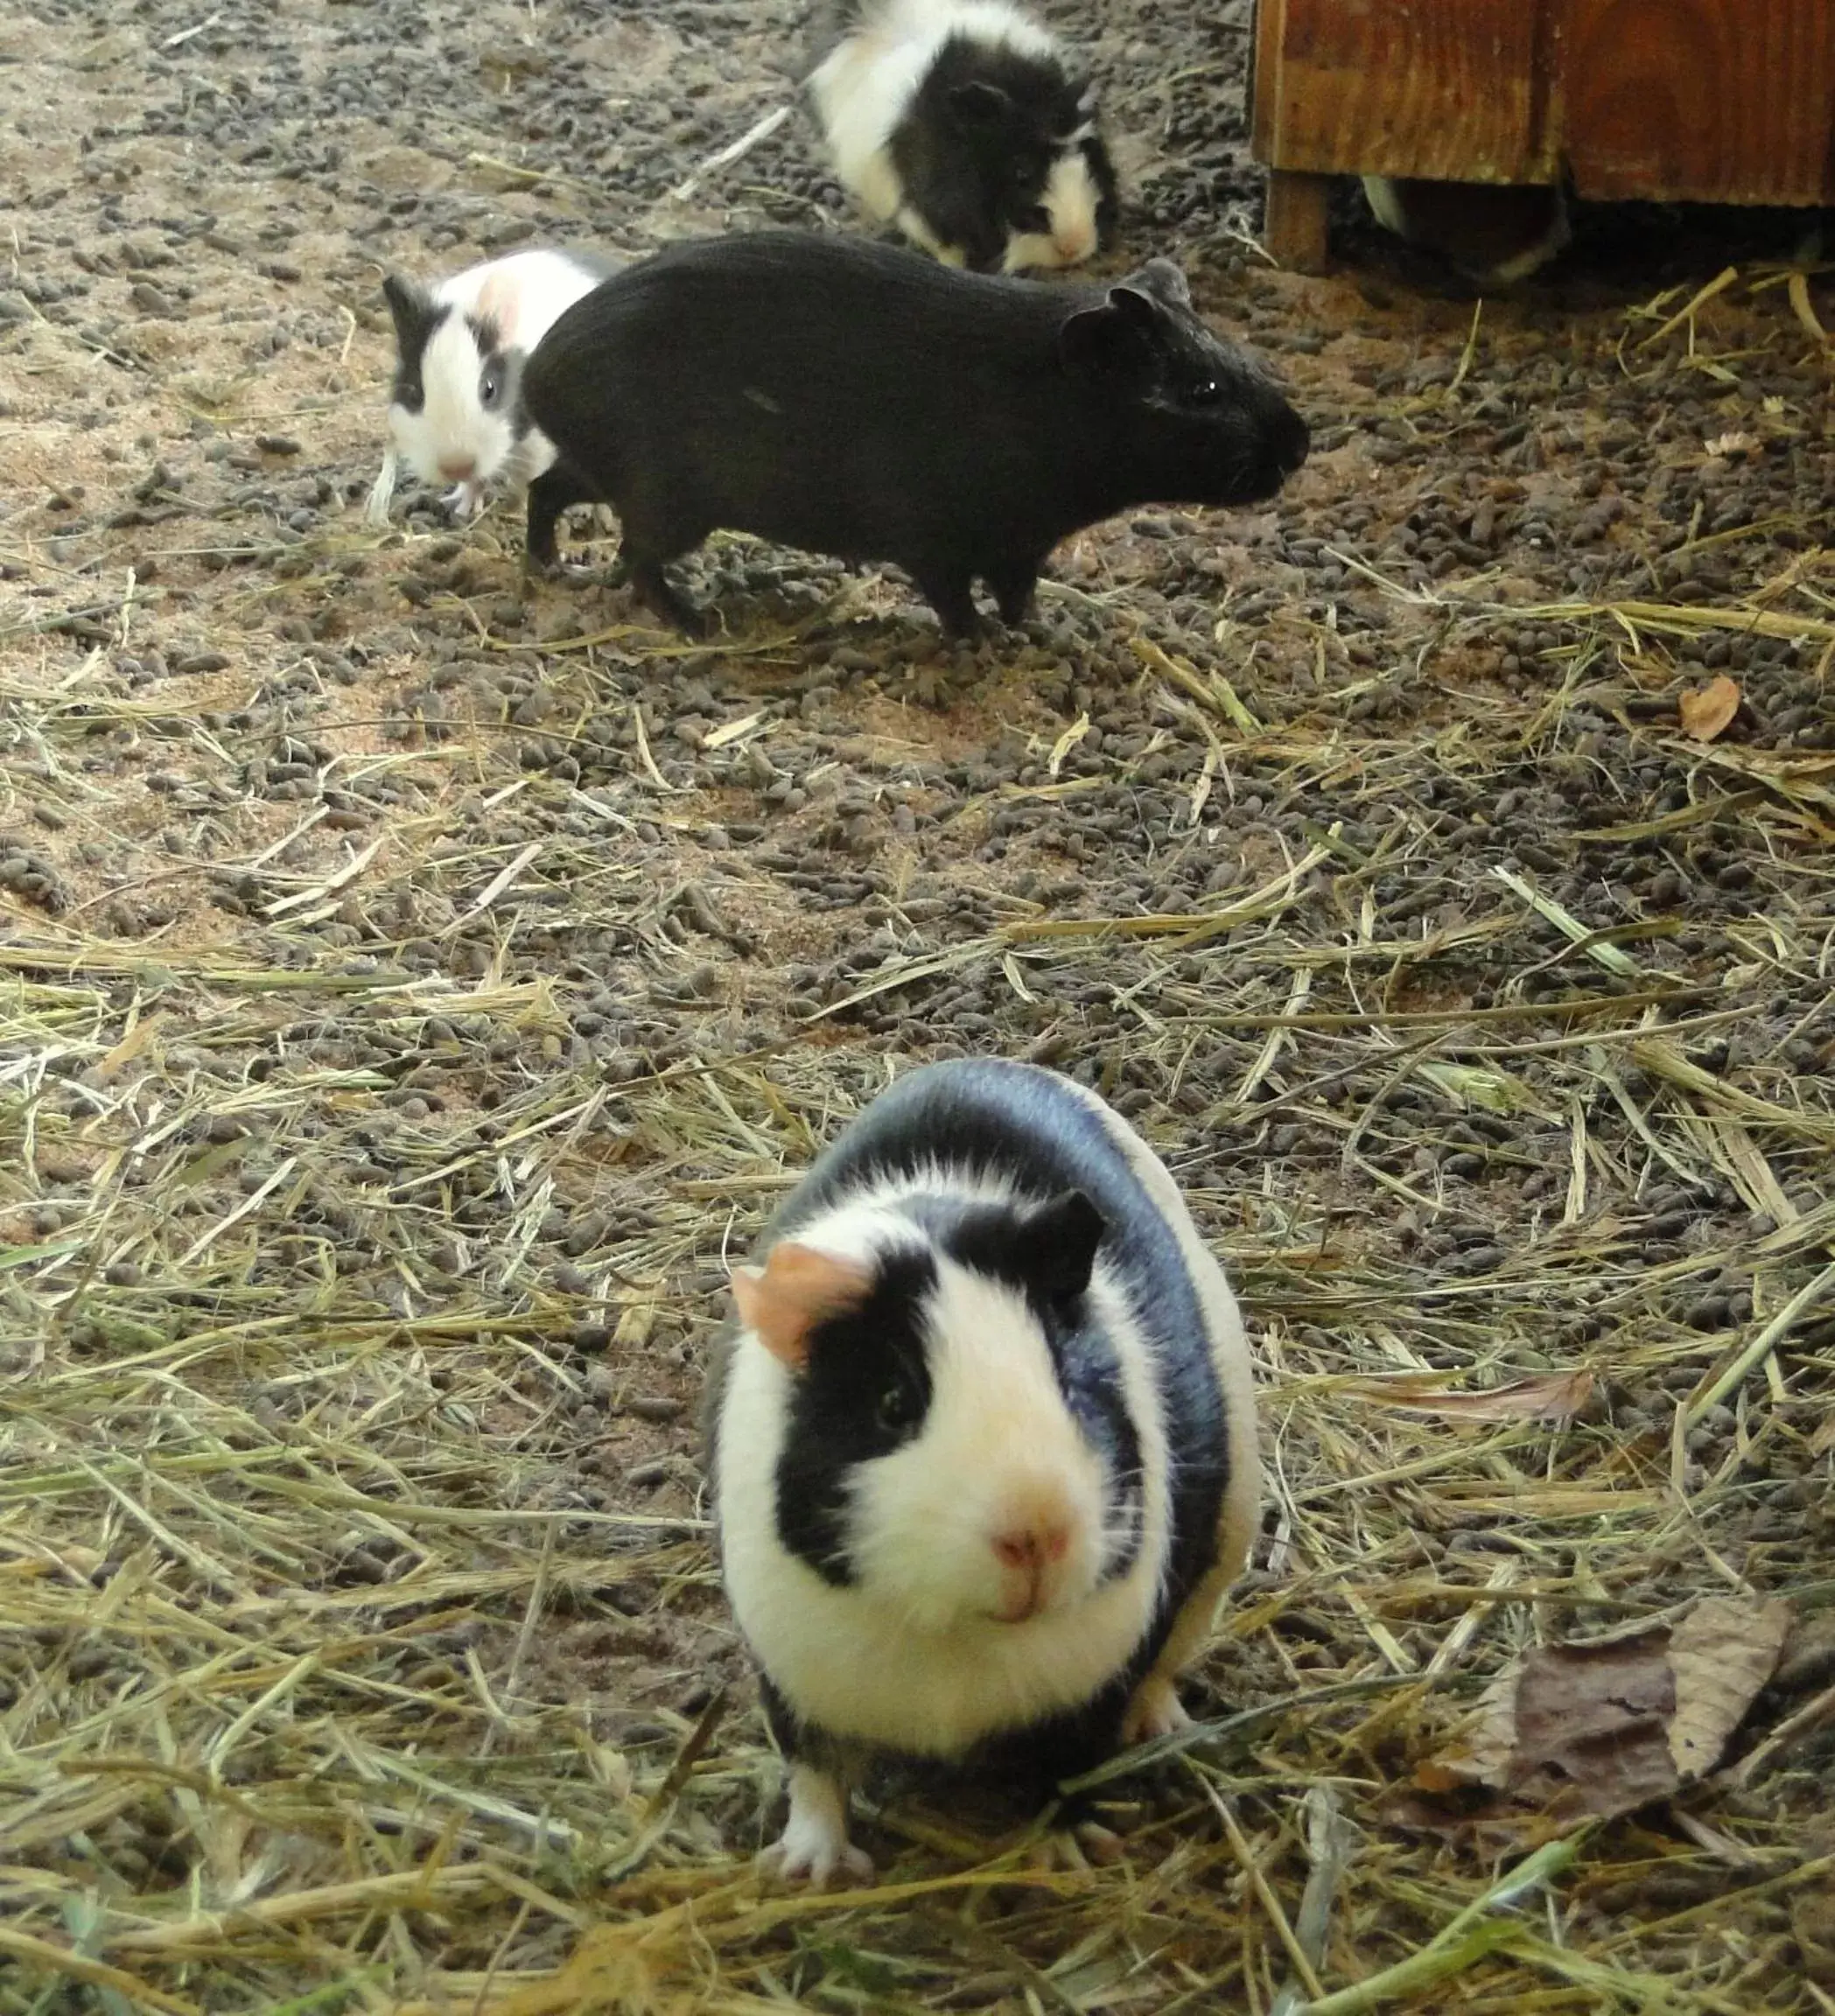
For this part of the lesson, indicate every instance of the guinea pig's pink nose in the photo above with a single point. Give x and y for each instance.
(1073, 244)
(1033, 1546)
(458, 468)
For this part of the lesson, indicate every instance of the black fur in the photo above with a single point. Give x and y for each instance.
(976, 146)
(416, 316)
(860, 400)
(1025, 1124)
(864, 1391)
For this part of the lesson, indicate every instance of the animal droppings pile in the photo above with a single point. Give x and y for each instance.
(414, 987)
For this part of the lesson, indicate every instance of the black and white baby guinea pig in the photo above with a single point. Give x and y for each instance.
(837, 394)
(982, 1443)
(454, 413)
(969, 126)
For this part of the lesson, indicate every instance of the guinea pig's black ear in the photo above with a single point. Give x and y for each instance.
(1117, 339)
(797, 1289)
(1058, 1243)
(980, 105)
(1164, 281)
(413, 309)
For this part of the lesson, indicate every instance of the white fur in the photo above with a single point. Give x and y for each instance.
(814, 1844)
(913, 1655)
(864, 87)
(1070, 201)
(1385, 202)
(524, 294)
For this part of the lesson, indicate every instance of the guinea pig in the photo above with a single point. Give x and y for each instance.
(454, 415)
(1494, 234)
(967, 125)
(847, 396)
(981, 1444)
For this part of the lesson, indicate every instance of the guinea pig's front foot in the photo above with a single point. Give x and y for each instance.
(952, 596)
(1155, 1709)
(814, 1846)
(1013, 593)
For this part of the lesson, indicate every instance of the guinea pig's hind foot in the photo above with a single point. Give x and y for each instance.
(1156, 1710)
(814, 1845)
(1078, 1846)
(654, 587)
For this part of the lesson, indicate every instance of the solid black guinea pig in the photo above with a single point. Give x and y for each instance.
(858, 400)
(982, 1443)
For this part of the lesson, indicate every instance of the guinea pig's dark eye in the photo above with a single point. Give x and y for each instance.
(896, 1409)
(1205, 392)
(490, 389)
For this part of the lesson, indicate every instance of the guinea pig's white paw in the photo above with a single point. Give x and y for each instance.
(814, 1846)
(1076, 1848)
(816, 1864)
(1156, 1710)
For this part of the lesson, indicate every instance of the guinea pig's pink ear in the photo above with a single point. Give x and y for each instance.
(797, 1289)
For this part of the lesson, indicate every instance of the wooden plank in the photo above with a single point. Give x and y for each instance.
(1295, 224)
(1445, 89)
(1698, 101)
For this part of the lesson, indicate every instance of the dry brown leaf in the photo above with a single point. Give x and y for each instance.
(1569, 1731)
(1551, 1396)
(1707, 713)
(1722, 1653)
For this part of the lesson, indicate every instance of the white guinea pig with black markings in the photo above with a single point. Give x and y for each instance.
(454, 415)
(969, 126)
(982, 1444)
(1494, 234)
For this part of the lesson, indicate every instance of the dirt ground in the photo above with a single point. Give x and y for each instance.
(413, 988)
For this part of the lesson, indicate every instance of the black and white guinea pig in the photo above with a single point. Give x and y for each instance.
(840, 395)
(969, 127)
(982, 1443)
(1494, 234)
(454, 413)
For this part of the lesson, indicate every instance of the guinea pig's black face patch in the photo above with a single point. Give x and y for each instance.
(497, 379)
(416, 316)
(1091, 1379)
(862, 1394)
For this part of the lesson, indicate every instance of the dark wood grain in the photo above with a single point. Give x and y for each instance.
(1705, 101)
(1446, 89)
(1708, 101)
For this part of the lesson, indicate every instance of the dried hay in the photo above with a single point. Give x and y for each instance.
(292, 1500)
